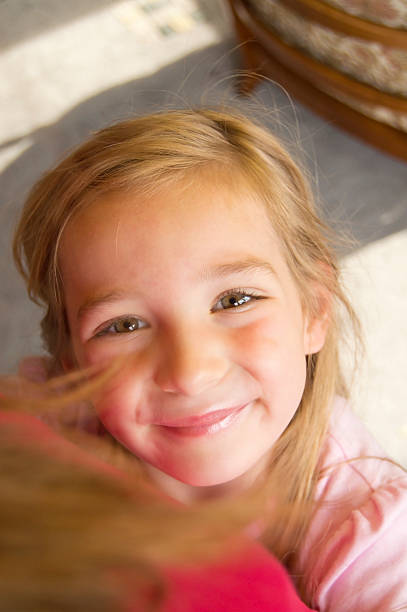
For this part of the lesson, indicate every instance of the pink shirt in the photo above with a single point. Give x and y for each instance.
(355, 555)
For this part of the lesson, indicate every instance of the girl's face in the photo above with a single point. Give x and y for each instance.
(192, 287)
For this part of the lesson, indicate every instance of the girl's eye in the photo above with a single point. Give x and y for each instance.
(234, 299)
(124, 325)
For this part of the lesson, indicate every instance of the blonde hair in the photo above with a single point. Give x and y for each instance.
(77, 536)
(147, 153)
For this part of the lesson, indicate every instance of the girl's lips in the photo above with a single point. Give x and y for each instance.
(206, 424)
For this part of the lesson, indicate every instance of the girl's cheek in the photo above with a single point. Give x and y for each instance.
(270, 349)
(128, 384)
(101, 350)
(118, 399)
(254, 342)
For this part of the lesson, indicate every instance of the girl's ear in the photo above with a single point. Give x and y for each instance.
(318, 320)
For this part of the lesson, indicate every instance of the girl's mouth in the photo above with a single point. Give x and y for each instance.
(207, 424)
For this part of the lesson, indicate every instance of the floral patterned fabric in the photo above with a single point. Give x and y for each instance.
(379, 113)
(369, 62)
(374, 64)
(391, 13)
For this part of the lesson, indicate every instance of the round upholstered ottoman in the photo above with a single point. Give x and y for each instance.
(351, 53)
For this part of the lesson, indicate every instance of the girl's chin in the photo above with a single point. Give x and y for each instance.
(206, 483)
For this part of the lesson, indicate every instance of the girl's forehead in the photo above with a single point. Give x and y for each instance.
(181, 206)
(199, 216)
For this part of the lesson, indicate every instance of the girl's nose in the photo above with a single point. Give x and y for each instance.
(190, 363)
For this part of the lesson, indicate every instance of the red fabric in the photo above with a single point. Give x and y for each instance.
(255, 581)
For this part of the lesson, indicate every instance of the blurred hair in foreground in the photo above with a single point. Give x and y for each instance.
(84, 530)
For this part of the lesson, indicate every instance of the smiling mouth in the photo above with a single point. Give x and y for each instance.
(206, 424)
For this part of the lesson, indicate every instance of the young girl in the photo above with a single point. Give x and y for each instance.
(187, 243)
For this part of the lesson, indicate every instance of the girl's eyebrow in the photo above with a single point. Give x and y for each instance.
(98, 300)
(249, 264)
